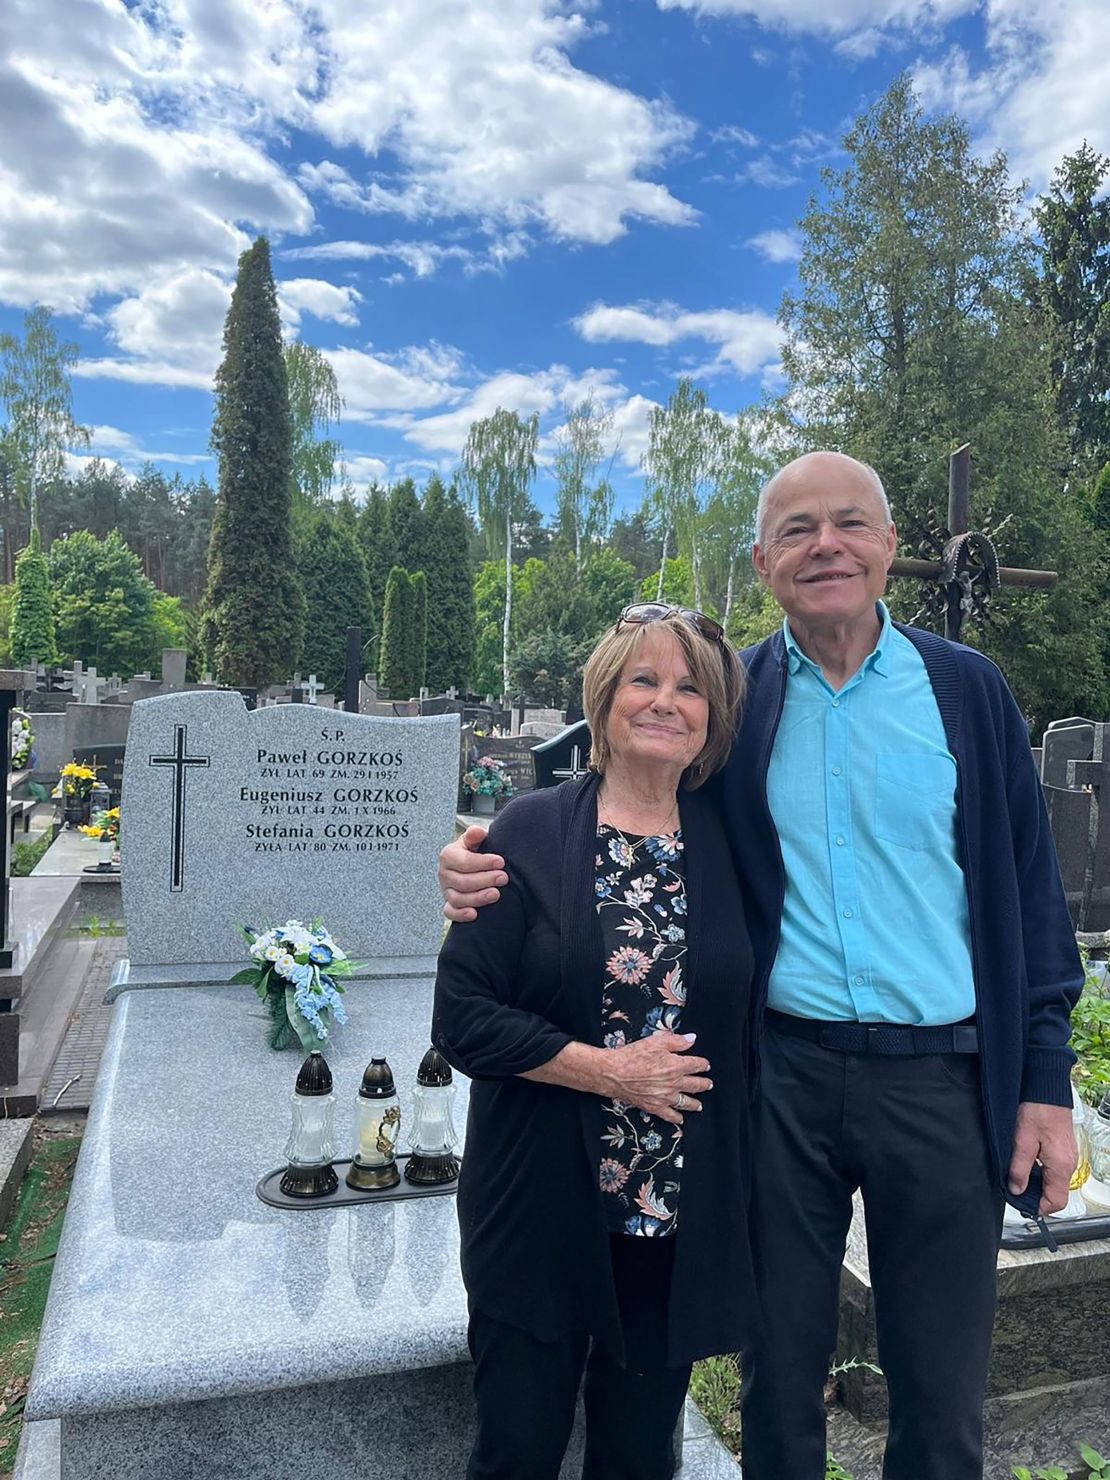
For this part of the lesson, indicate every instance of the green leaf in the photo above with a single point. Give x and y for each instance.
(1021, 1473)
(247, 977)
(1092, 1460)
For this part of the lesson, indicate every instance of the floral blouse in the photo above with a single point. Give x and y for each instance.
(641, 902)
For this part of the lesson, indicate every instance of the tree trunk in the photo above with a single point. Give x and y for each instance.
(728, 593)
(508, 605)
(663, 560)
(695, 563)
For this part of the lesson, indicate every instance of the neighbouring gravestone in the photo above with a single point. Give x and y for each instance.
(564, 757)
(234, 818)
(107, 762)
(1075, 775)
(514, 753)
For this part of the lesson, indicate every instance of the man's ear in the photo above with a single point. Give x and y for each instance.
(891, 543)
(759, 564)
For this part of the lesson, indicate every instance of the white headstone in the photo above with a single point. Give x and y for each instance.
(236, 818)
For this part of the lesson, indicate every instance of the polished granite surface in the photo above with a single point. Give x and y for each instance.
(174, 1282)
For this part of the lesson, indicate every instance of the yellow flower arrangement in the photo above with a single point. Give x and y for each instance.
(77, 780)
(104, 825)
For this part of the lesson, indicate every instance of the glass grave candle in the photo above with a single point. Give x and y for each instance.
(377, 1125)
(311, 1145)
(1096, 1189)
(433, 1136)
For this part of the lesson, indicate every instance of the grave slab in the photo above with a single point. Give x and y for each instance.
(194, 1332)
(1049, 1337)
(15, 1155)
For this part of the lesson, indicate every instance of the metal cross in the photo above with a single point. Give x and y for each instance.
(577, 769)
(968, 569)
(180, 762)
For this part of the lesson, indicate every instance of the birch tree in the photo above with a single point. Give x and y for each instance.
(497, 469)
(583, 502)
(680, 463)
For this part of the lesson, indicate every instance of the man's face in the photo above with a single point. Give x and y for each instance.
(826, 546)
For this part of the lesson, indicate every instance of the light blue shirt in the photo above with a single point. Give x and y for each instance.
(862, 790)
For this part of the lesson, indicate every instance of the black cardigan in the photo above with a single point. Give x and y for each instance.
(513, 988)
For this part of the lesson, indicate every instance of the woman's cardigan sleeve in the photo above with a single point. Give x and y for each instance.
(480, 1023)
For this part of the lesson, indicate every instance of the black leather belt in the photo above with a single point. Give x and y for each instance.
(882, 1038)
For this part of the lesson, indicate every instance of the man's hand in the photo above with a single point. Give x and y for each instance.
(469, 879)
(1044, 1133)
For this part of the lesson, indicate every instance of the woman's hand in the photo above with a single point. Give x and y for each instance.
(657, 1074)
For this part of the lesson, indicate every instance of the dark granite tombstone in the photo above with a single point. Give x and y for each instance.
(563, 757)
(513, 751)
(1075, 774)
(107, 762)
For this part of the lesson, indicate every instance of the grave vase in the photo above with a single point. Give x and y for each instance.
(483, 805)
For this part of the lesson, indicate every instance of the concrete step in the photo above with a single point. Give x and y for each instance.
(44, 1019)
(15, 1154)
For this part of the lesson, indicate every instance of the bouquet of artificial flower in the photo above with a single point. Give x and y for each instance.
(487, 777)
(295, 970)
(103, 825)
(22, 740)
(77, 780)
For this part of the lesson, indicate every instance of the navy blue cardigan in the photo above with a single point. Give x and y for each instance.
(1027, 970)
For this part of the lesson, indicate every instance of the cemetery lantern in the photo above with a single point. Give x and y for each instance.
(311, 1145)
(433, 1137)
(100, 798)
(377, 1124)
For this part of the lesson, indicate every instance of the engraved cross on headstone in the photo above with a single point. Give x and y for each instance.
(180, 762)
(576, 768)
(969, 559)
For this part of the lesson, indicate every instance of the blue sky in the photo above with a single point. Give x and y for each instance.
(507, 202)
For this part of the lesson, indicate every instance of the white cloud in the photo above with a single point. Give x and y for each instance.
(764, 171)
(140, 141)
(777, 244)
(411, 381)
(422, 258)
(744, 341)
(819, 18)
(1045, 87)
(732, 133)
(363, 471)
(322, 299)
(106, 440)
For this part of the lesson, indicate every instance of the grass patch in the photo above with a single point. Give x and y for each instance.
(25, 856)
(27, 1252)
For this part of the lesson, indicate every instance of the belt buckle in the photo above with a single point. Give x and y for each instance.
(872, 1039)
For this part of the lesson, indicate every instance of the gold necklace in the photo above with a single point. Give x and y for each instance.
(632, 847)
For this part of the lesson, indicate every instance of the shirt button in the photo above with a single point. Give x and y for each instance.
(839, 841)
(836, 703)
(836, 771)
(858, 981)
(847, 914)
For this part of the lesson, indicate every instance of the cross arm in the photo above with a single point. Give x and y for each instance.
(931, 570)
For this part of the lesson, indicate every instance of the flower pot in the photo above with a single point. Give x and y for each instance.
(482, 805)
(74, 810)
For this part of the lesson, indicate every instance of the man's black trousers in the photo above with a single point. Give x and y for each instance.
(525, 1390)
(909, 1133)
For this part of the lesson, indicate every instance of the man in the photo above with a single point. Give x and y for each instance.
(915, 969)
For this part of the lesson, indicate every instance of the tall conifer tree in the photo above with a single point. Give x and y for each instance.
(419, 627)
(32, 629)
(447, 532)
(337, 596)
(399, 650)
(252, 617)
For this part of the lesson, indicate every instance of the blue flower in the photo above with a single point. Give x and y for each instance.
(320, 955)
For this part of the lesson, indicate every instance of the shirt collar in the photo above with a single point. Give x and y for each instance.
(878, 658)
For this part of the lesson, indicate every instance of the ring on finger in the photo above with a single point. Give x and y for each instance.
(681, 1102)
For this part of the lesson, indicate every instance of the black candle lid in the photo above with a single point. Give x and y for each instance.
(377, 1081)
(434, 1069)
(315, 1076)
(1104, 1108)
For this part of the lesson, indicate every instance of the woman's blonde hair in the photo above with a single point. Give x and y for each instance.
(714, 667)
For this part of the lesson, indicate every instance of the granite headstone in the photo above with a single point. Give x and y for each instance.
(234, 817)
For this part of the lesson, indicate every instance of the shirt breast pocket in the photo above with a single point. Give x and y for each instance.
(914, 797)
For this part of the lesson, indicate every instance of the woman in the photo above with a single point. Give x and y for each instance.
(603, 1203)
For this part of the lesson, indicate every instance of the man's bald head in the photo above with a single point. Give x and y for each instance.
(810, 469)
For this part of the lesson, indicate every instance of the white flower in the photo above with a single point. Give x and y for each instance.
(272, 953)
(284, 964)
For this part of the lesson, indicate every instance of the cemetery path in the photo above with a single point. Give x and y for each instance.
(73, 1076)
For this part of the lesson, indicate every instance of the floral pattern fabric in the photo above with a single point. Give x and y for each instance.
(641, 902)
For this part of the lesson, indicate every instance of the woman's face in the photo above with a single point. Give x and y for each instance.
(658, 715)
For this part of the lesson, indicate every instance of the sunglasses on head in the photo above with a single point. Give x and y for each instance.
(642, 612)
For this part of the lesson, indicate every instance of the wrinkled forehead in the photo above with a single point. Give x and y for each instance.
(814, 496)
